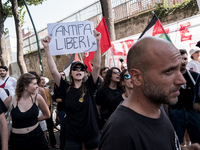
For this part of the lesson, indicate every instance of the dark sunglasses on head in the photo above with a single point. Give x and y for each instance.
(62, 74)
(76, 68)
(127, 76)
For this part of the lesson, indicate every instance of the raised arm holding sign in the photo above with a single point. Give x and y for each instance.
(52, 66)
(71, 37)
(78, 99)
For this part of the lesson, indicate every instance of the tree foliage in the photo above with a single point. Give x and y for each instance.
(6, 10)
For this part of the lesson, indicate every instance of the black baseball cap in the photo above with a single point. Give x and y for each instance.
(77, 63)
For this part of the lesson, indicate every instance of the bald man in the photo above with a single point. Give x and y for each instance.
(140, 122)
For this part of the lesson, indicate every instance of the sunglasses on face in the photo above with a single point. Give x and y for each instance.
(80, 68)
(127, 76)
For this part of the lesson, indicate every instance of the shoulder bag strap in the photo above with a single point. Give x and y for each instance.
(6, 80)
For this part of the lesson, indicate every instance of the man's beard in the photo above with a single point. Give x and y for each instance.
(3, 75)
(183, 65)
(156, 95)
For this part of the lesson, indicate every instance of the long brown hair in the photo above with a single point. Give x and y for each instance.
(24, 80)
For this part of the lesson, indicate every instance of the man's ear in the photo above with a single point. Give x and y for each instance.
(136, 76)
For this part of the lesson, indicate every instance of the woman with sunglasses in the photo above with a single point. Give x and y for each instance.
(81, 121)
(128, 88)
(111, 87)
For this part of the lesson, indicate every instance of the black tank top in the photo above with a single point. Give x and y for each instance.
(25, 119)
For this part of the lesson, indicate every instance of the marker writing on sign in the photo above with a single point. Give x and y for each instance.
(71, 30)
(73, 36)
(73, 42)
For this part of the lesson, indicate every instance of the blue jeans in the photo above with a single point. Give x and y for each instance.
(61, 115)
(186, 119)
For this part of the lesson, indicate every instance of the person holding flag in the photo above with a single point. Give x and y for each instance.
(81, 121)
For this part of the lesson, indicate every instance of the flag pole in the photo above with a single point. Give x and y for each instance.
(113, 56)
(155, 14)
(80, 57)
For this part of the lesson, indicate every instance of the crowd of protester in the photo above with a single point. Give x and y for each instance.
(146, 104)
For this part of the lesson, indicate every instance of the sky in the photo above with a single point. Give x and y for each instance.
(49, 12)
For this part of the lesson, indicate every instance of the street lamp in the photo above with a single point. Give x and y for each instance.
(38, 44)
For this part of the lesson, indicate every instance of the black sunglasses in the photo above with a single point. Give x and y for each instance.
(80, 68)
(62, 74)
(127, 76)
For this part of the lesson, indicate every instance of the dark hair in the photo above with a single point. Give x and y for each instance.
(106, 81)
(4, 67)
(122, 78)
(122, 74)
(37, 77)
(102, 69)
(63, 73)
(183, 51)
(24, 80)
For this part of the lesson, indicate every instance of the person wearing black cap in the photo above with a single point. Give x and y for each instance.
(81, 121)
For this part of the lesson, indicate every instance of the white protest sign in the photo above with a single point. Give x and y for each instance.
(71, 37)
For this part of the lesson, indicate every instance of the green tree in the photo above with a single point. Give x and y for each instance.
(4, 13)
(14, 8)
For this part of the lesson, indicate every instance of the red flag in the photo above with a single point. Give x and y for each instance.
(105, 43)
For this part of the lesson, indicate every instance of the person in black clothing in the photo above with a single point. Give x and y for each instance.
(127, 84)
(111, 88)
(3, 127)
(58, 99)
(182, 114)
(81, 121)
(140, 122)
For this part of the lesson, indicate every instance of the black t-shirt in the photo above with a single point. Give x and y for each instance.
(104, 97)
(60, 106)
(3, 108)
(115, 102)
(81, 122)
(186, 97)
(128, 130)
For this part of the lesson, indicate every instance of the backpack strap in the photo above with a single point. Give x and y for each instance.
(192, 79)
